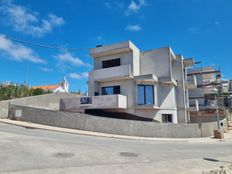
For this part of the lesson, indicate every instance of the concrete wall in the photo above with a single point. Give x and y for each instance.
(136, 61)
(156, 62)
(125, 58)
(128, 53)
(47, 101)
(204, 119)
(166, 97)
(178, 74)
(97, 102)
(113, 126)
(114, 72)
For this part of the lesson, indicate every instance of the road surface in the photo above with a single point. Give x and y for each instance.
(27, 151)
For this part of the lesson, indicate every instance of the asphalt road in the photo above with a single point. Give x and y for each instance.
(38, 151)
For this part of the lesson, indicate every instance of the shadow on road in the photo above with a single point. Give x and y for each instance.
(215, 160)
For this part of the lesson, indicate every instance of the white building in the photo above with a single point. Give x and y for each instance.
(151, 84)
(61, 87)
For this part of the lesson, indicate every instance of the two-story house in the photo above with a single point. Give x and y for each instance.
(151, 84)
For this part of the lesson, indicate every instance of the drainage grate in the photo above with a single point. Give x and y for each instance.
(128, 154)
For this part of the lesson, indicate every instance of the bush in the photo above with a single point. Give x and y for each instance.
(16, 91)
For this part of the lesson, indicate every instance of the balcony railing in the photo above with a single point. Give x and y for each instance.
(207, 104)
(193, 105)
(77, 104)
(191, 82)
(112, 73)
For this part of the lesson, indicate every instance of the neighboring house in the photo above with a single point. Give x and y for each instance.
(208, 94)
(62, 87)
(151, 84)
(227, 92)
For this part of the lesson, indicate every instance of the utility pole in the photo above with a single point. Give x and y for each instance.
(218, 97)
(218, 116)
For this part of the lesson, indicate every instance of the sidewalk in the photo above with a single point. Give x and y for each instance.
(228, 136)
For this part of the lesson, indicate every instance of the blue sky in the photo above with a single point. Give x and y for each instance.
(195, 28)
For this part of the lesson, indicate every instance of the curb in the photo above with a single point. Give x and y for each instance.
(99, 134)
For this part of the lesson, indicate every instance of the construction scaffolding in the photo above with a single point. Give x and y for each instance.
(209, 92)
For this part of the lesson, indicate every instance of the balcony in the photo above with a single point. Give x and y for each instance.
(191, 82)
(113, 73)
(77, 104)
(188, 62)
(146, 78)
(209, 105)
(146, 107)
(193, 106)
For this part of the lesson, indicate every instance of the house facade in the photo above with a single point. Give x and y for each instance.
(150, 84)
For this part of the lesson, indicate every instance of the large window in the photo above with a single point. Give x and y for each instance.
(145, 95)
(110, 90)
(111, 63)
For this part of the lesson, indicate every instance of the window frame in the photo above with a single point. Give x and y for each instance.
(114, 90)
(166, 119)
(145, 94)
(110, 60)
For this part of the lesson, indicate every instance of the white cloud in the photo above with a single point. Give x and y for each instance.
(134, 6)
(69, 58)
(133, 27)
(17, 51)
(24, 20)
(82, 75)
(45, 69)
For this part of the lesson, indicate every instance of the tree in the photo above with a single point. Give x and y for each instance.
(12, 91)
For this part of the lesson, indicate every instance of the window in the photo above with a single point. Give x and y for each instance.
(167, 118)
(111, 63)
(110, 90)
(145, 94)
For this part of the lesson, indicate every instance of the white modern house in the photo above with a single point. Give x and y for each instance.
(150, 84)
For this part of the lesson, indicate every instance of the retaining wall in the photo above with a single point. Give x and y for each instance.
(111, 125)
(198, 119)
(48, 101)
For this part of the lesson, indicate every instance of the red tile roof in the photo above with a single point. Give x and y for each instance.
(46, 87)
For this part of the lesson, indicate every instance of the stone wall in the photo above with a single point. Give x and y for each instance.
(111, 125)
(47, 101)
